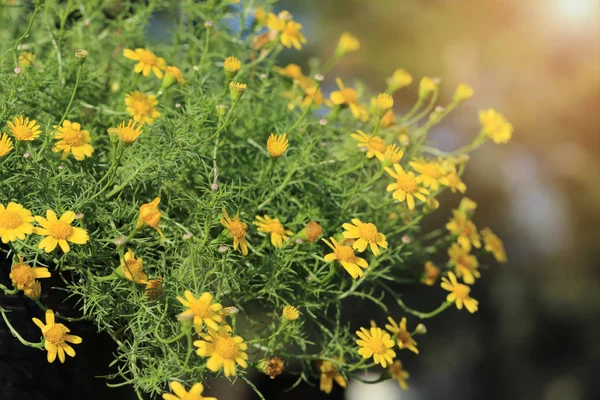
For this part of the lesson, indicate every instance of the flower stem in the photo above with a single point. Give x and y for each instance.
(423, 315)
(72, 94)
(16, 334)
(18, 42)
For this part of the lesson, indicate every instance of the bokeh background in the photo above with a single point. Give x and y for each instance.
(536, 333)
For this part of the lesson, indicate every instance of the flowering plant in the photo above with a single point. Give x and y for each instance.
(213, 211)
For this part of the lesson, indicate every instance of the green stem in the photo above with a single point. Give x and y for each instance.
(205, 51)
(18, 42)
(14, 332)
(423, 315)
(282, 186)
(412, 111)
(305, 113)
(7, 290)
(424, 112)
(72, 94)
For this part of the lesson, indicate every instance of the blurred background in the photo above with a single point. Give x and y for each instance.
(536, 333)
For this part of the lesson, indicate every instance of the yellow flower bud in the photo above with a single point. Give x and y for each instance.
(462, 93)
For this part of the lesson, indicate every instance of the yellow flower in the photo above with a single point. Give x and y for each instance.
(290, 313)
(345, 256)
(426, 86)
(493, 244)
(366, 234)
(72, 139)
(388, 119)
(24, 277)
(292, 71)
(313, 96)
(466, 204)
(291, 35)
(15, 222)
(392, 154)
(311, 231)
(495, 126)
(203, 310)
(347, 44)
(347, 97)
(59, 231)
(272, 366)
(260, 15)
(26, 59)
(430, 274)
(277, 145)
(173, 74)
(195, 392)
(133, 268)
(406, 187)
(56, 337)
(238, 230)
(150, 215)
(399, 79)
(232, 64)
(463, 92)
(6, 145)
(374, 145)
(154, 288)
(142, 107)
(398, 373)
(329, 373)
(454, 182)
(384, 103)
(273, 226)
(376, 343)
(465, 229)
(147, 62)
(465, 264)
(129, 133)
(403, 337)
(431, 173)
(34, 291)
(224, 350)
(23, 129)
(459, 293)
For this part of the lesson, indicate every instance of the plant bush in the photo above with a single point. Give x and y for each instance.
(190, 192)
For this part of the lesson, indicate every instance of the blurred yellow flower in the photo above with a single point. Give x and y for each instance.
(195, 392)
(232, 64)
(346, 257)
(376, 343)
(406, 187)
(375, 146)
(431, 173)
(495, 126)
(347, 97)
(347, 44)
(426, 86)
(26, 59)
(430, 274)
(172, 74)
(399, 374)
(366, 234)
(273, 226)
(203, 310)
(238, 230)
(290, 313)
(59, 231)
(400, 78)
(56, 337)
(277, 145)
(465, 264)
(292, 71)
(15, 222)
(459, 293)
(73, 139)
(493, 244)
(6, 145)
(129, 133)
(388, 119)
(147, 62)
(463, 92)
(403, 337)
(224, 350)
(466, 230)
(291, 35)
(393, 154)
(330, 373)
(23, 128)
(383, 103)
(142, 107)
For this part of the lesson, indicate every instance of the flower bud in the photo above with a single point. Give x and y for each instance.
(462, 93)
(383, 104)
(399, 79)
(221, 110)
(431, 205)
(236, 90)
(426, 87)
(421, 329)
(311, 232)
(272, 366)
(231, 66)
(81, 55)
(347, 44)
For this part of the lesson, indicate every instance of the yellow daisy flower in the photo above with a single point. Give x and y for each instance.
(430, 273)
(224, 350)
(465, 229)
(495, 126)
(493, 244)
(147, 62)
(312, 95)
(277, 145)
(132, 268)
(291, 35)
(366, 234)
(26, 59)
(273, 226)
(330, 373)
(454, 182)
(345, 256)
(59, 231)
(426, 86)
(150, 215)
(392, 154)
(203, 310)
(56, 337)
(23, 129)
(238, 230)
(142, 107)
(347, 97)
(292, 71)
(406, 187)
(290, 313)
(465, 264)
(388, 119)
(400, 78)
(399, 374)
(383, 103)
(462, 93)
(195, 392)
(15, 222)
(6, 145)
(128, 133)
(376, 343)
(403, 336)
(347, 44)
(374, 145)
(232, 65)
(73, 139)
(459, 293)
(431, 173)
(23, 276)
(174, 73)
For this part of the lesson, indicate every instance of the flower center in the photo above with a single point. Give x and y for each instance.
(57, 334)
(147, 57)
(430, 170)
(237, 229)
(127, 134)
(200, 309)
(60, 230)
(407, 183)
(377, 144)
(22, 132)
(9, 219)
(141, 107)
(73, 137)
(344, 253)
(377, 346)
(225, 347)
(275, 227)
(404, 337)
(276, 148)
(368, 232)
(349, 95)
(461, 291)
(22, 275)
